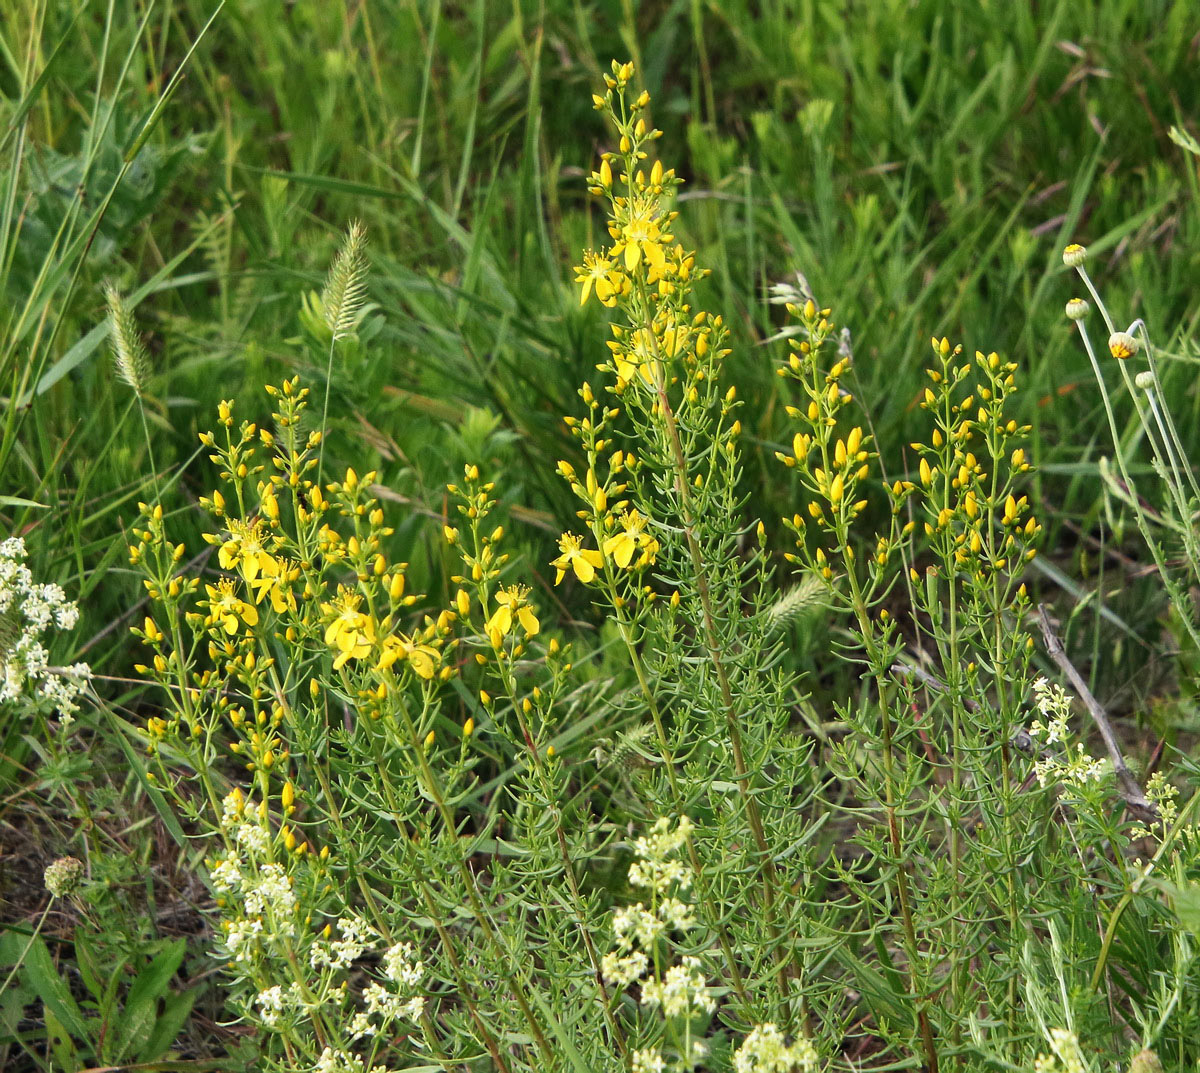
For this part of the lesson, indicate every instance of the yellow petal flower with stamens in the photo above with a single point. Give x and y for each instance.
(512, 604)
(351, 632)
(583, 561)
(641, 235)
(631, 536)
(227, 610)
(245, 551)
(423, 659)
(596, 270)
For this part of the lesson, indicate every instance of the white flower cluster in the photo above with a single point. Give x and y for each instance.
(1053, 703)
(233, 808)
(356, 940)
(1067, 1057)
(655, 867)
(276, 1005)
(404, 973)
(648, 1060)
(682, 989)
(1074, 769)
(252, 837)
(766, 1050)
(651, 1060)
(332, 1061)
(27, 611)
(258, 900)
(1164, 797)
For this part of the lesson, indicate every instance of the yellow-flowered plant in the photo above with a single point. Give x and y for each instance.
(438, 837)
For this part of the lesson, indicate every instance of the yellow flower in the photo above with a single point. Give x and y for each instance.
(272, 583)
(422, 658)
(512, 602)
(650, 548)
(227, 610)
(584, 561)
(597, 270)
(245, 549)
(640, 236)
(636, 356)
(631, 536)
(351, 632)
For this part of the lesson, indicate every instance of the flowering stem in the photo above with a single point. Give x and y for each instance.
(463, 989)
(433, 788)
(879, 665)
(325, 407)
(1110, 932)
(1138, 513)
(770, 878)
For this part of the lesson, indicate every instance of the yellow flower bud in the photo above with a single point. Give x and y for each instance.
(1074, 255)
(1122, 345)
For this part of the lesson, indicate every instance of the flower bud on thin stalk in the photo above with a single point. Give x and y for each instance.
(1145, 390)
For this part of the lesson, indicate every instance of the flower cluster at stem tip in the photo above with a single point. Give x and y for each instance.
(965, 480)
(28, 611)
(663, 354)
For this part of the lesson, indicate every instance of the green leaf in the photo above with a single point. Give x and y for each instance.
(17, 501)
(167, 1026)
(39, 83)
(52, 989)
(1185, 903)
(141, 1005)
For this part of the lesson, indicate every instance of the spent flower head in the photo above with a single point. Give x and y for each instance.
(63, 876)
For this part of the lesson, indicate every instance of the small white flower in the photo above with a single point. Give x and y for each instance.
(648, 1060)
(270, 1005)
(356, 938)
(27, 611)
(682, 990)
(226, 876)
(637, 922)
(414, 1008)
(401, 967)
(332, 1061)
(677, 914)
(623, 970)
(253, 837)
(766, 1050)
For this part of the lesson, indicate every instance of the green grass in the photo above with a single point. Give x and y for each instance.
(921, 163)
